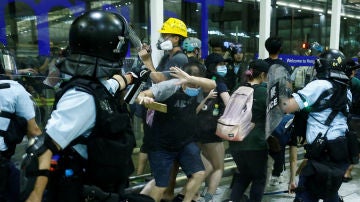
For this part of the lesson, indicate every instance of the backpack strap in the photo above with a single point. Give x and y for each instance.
(8, 115)
(320, 98)
(177, 52)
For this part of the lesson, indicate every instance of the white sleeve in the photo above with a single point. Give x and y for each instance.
(75, 115)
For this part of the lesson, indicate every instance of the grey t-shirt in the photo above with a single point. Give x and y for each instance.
(166, 89)
(179, 59)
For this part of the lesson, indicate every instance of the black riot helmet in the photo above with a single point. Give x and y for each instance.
(98, 42)
(7, 61)
(329, 63)
(99, 34)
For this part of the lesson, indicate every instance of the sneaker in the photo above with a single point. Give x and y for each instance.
(178, 198)
(204, 191)
(274, 180)
(207, 198)
(204, 200)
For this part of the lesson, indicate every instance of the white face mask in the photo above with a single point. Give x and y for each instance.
(166, 45)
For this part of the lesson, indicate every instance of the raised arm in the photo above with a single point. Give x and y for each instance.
(205, 83)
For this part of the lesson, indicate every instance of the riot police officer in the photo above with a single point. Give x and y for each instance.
(17, 118)
(325, 101)
(88, 117)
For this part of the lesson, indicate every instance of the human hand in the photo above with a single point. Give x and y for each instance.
(180, 74)
(145, 52)
(139, 75)
(212, 94)
(292, 187)
(145, 100)
(27, 71)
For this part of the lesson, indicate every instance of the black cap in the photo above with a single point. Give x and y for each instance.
(352, 64)
(214, 58)
(259, 65)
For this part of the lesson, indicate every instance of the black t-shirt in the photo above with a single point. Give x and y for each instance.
(280, 62)
(173, 130)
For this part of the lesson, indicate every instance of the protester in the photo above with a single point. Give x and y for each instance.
(173, 32)
(251, 154)
(273, 45)
(172, 132)
(192, 48)
(209, 111)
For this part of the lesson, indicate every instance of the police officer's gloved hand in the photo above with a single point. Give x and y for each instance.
(140, 76)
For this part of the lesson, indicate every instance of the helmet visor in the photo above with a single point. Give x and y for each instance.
(8, 62)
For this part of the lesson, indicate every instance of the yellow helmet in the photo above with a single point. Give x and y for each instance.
(174, 26)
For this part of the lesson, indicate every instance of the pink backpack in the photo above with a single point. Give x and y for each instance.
(235, 124)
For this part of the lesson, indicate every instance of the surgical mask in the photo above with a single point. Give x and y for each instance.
(192, 92)
(221, 70)
(165, 45)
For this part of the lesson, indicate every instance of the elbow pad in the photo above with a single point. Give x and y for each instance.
(39, 144)
(30, 163)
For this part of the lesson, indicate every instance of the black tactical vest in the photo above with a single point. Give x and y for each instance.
(111, 141)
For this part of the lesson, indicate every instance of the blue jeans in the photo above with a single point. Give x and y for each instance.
(161, 163)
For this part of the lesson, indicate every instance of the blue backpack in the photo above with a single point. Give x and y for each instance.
(283, 131)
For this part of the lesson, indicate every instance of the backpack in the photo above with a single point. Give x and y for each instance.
(302, 76)
(282, 133)
(235, 123)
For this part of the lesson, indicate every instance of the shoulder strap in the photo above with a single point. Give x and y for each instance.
(4, 85)
(79, 83)
(177, 52)
(8, 115)
(331, 117)
(255, 86)
(84, 85)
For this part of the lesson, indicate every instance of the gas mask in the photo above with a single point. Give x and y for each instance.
(164, 45)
